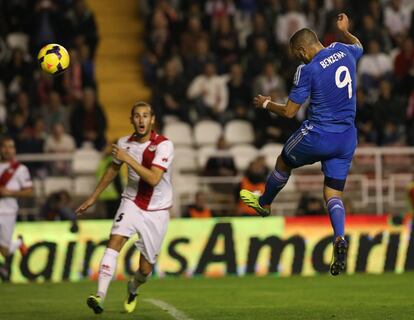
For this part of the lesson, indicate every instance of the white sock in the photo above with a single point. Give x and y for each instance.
(138, 280)
(106, 271)
(14, 246)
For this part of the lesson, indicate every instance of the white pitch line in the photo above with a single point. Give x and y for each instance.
(171, 310)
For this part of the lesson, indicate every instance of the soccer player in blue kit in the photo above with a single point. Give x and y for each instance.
(328, 78)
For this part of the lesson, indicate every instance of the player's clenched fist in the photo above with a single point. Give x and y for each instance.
(343, 22)
(119, 153)
(84, 206)
(259, 100)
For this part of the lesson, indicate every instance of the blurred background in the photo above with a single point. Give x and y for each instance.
(199, 63)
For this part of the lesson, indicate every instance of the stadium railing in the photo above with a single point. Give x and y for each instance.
(377, 183)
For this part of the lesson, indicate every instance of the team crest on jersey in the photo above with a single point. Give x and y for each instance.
(152, 148)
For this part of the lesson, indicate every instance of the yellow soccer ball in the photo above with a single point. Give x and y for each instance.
(53, 59)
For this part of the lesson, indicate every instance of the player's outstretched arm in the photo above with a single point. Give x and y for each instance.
(343, 25)
(287, 110)
(106, 180)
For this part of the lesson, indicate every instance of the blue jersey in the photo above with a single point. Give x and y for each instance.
(330, 82)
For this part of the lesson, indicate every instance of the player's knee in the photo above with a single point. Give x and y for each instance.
(333, 188)
(116, 242)
(145, 269)
(281, 165)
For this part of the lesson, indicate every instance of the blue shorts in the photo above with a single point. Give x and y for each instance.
(310, 144)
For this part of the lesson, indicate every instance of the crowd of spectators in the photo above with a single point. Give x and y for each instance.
(207, 59)
(40, 112)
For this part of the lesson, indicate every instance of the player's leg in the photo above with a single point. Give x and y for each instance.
(122, 229)
(107, 270)
(7, 246)
(336, 171)
(336, 209)
(140, 277)
(151, 229)
(275, 182)
(298, 151)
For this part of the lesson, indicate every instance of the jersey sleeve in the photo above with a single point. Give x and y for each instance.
(164, 155)
(116, 161)
(23, 176)
(301, 85)
(355, 50)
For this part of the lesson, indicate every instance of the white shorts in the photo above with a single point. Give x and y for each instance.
(7, 222)
(151, 227)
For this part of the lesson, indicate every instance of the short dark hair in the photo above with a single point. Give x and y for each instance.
(303, 37)
(141, 104)
(4, 138)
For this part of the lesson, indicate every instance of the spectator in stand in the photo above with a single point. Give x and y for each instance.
(200, 208)
(256, 61)
(59, 142)
(289, 22)
(210, 93)
(169, 93)
(190, 36)
(315, 16)
(194, 66)
(268, 81)
(45, 25)
(32, 141)
(389, 124)
(18, 73)
(237, 87)
(226, 44)
(87, 66)
(254, 180)
(55, 112)
(397, 19)
(374, 67)
(81, 26)
(216, 9)
(88, 121)
(73, 79)
(376, 11)
(222, 164)
(260, 30)
(404, 66)
(371, 31)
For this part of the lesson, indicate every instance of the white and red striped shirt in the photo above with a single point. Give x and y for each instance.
(158, 152)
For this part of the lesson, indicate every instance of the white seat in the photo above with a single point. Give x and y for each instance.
(185, 159)
(53, 184)
(204, 153)
(271, 151)
(207, 132)
(85, 161)
(18, 40)
(179, 133)
(186, 184)
(84, 185)
(243, 154)
(238, 132)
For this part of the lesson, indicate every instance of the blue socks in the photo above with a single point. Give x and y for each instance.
(275, 182)
(337, 214)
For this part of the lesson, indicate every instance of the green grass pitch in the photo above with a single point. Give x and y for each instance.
(355, 297)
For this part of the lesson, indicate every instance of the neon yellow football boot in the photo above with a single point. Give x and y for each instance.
(95, 303)
(130, 302)
(252, 200)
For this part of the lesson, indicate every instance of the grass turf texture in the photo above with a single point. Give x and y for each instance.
(388, 296)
